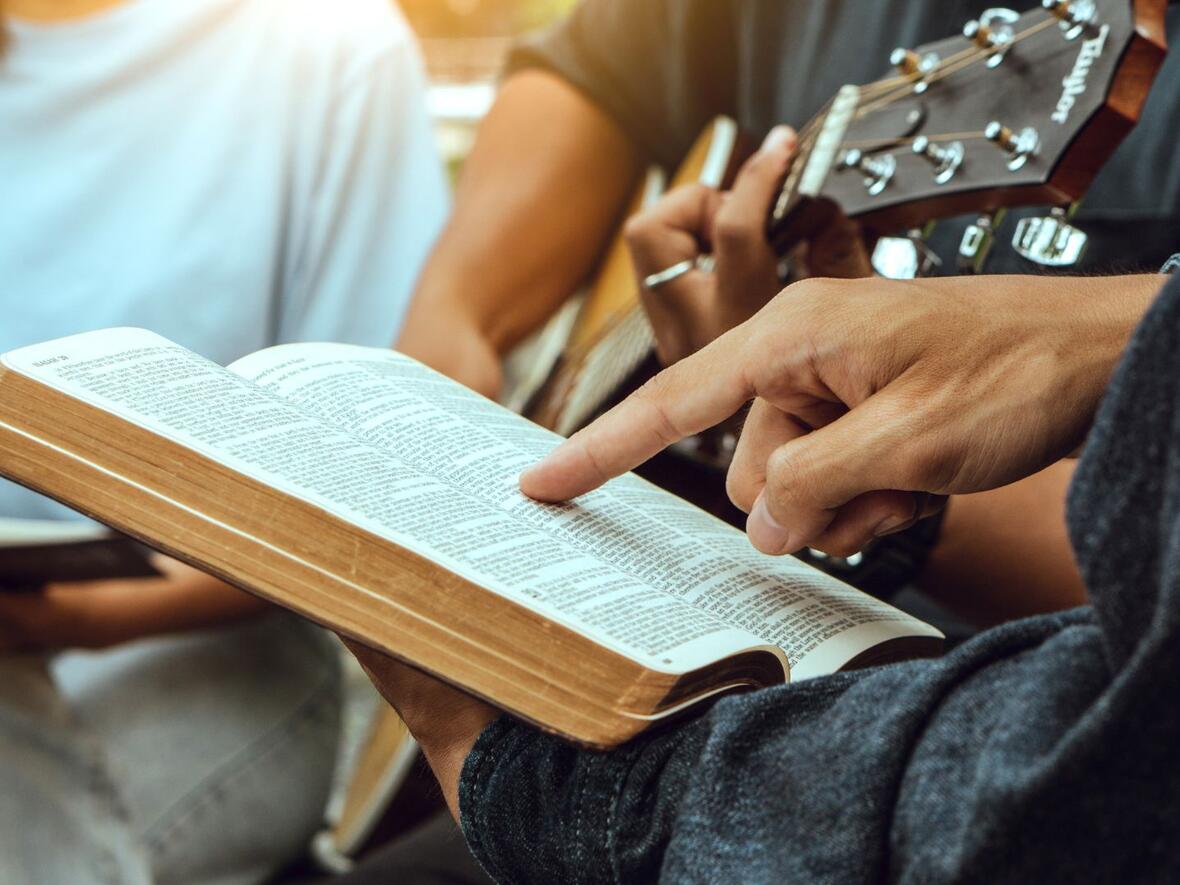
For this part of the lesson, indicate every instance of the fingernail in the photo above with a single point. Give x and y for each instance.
(764, 531)
(891, 524)
(779, 138)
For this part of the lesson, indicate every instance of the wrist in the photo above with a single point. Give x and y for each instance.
(1122, 307)
(446, 751)
(451, 340)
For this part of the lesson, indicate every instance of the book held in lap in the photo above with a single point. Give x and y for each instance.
(379, 498)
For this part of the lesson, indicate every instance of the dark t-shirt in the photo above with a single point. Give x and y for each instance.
(664, 68)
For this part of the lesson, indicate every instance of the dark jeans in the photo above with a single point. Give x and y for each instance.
(433, 854)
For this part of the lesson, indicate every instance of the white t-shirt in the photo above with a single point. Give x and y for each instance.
(229, 173)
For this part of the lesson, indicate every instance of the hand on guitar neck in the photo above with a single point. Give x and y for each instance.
(689, 311)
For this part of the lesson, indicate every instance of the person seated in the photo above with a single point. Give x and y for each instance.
(1040, 750)
(231, 174)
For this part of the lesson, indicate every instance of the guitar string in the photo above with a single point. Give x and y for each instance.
(947, 68)
(910, 79)
(884, 92)
(879, 144)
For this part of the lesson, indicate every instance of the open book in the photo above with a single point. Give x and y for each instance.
(379, 498)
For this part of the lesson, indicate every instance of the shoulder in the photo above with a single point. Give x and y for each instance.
(342, 35)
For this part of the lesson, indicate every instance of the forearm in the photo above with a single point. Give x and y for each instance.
(1005, 554)
(536, 202)
(138, 612)
(101, 614)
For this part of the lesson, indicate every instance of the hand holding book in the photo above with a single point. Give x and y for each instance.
(381, 499)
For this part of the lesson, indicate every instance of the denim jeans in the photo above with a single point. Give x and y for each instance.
(201, 758)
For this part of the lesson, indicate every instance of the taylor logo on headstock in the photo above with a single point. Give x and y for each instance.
(1075, 83)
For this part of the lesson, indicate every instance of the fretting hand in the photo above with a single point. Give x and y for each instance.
(691, 310)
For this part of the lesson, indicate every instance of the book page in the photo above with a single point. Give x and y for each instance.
(638, 534)
(431, 492)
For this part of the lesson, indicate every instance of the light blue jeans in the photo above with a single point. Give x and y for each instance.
(205, 758)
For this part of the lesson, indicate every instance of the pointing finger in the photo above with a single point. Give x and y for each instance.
(692, 395)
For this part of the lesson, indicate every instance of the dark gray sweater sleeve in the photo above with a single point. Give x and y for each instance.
(1040, 751)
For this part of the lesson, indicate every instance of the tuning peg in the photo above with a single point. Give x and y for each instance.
(980, 34)
(911, 64)
(1075, 15)
(1050, 241)
(977, 242)
(946, 160)
(905, 60)
(1018, 145)
(904, 258)
(993, 38)
(878, 171)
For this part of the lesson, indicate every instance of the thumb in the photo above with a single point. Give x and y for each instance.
(827, 474)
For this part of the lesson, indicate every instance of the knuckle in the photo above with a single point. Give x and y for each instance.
(732, 230)
(637, 230)
(788, 477)
(810, 295)
(933, 464)
(740, 489)
(651, 397)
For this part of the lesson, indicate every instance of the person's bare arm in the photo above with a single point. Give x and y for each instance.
(101, 614)
(536, 202)
(1004, 554)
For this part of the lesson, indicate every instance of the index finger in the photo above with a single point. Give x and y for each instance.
(693, 395)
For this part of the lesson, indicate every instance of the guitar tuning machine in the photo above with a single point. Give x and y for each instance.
(946, 159)
(1075, 15)
(878, 171)
(993, 33)
(911, 64)
(1050, 241)
(977, 242)
(904, 258)
(1019, 146)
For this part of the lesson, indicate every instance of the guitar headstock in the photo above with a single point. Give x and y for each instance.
(1023, 109)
